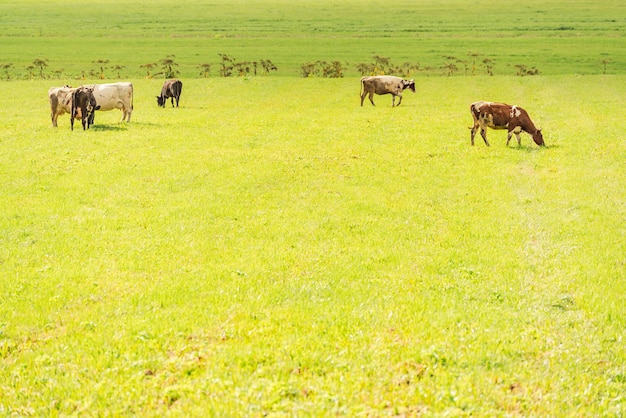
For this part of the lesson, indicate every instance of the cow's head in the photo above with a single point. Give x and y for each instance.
(161, 101)
(408, 84)
(84, 105)
(538, 138)
(90, 102)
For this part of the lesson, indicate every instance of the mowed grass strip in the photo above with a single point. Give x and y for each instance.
(271, 247)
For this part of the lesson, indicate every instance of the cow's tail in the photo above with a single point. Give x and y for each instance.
(132, 97)
(362, 85)
(475, 113)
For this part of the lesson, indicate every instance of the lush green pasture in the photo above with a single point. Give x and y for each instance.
(270, 247)
(555, 37)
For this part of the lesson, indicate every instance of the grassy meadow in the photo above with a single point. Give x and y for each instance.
(257, 251)
(272, 248)
(555, 37)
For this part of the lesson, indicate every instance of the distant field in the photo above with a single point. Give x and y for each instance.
(553, 36)
(259, 252)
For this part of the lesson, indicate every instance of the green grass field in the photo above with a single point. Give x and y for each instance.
(272, 248)
(554, 37)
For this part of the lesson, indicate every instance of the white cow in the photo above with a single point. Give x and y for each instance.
(115, 96)
(385, 84)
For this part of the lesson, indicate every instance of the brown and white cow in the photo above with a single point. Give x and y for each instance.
(114, 96)
(83, 106)
(503, 116)
(60, 102)
(171, 89)
(385, 84)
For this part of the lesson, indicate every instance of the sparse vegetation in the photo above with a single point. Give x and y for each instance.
(102, 65)
(334, 69)
(384, 66)
(522, 70)
(41, 64)
(148, 68)
(6, 67)
(169, 67)
(229, 66)
(205, 70)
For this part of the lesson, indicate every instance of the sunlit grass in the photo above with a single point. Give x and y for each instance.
(257, 251)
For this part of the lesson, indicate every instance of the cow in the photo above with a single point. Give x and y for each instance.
(171, 89)
(83, 106)
(114, 96)
(385, 84)
(503, 116)
(60, 102)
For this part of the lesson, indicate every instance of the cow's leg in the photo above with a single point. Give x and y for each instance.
(399, 99)
(483, 133)
(365, 93)
(519, 140)
(54, 117)
(474, 129)
(371, 97)
(508, 137)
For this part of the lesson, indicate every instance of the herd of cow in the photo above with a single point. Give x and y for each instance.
(82, 102)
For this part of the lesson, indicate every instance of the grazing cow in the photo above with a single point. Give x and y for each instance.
(60, 102)
(385, 84)
(503, 116)
(114, 96)
(171, 89)
(83, 106)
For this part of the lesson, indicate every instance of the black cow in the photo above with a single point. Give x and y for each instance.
(171, 89)
(83, 106)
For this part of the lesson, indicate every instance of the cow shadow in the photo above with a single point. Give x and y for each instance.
(532, 148)
(122, 126)
(111, 128)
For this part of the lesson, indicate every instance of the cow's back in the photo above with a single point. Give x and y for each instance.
(500, 115)
(114, 95)
(384, 84)
(61, 97)
(177, 88)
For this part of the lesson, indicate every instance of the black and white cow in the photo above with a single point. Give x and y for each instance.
(83, 106)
